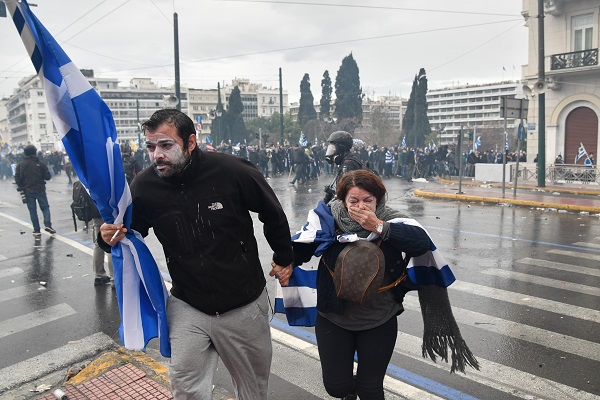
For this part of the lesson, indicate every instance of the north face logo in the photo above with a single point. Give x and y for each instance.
(215, 206)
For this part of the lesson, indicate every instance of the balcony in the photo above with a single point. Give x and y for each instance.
(576, 59)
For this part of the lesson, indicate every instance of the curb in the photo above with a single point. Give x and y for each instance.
(119, 357)
(496, 200)
(510, 186)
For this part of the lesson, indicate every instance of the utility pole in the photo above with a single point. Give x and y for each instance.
(137, 111)
(541, 164)
(280, 108)
(177, 81)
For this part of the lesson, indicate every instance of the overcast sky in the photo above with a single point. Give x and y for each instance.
(456, 41)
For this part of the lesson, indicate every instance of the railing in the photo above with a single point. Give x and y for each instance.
(574, 59)
(562, 173)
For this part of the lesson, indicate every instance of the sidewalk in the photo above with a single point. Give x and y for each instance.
(114, 374)
(568, 197)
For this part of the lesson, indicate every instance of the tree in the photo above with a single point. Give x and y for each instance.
(348, 93)
(382, 132)
(306, 112)
(415, 123)
(326, 91)
(270, 125)
(408, 121)
(422, 127)
(235, 122)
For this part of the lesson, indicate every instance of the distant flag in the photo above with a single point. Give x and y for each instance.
(404, 141)
(316, 141)
(580, 153)
(89, 135)
(433, 146)
(477, 143)
(208, 139)
(303, 140)
(506, 139)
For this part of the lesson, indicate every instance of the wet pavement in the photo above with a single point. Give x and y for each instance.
(99, 377)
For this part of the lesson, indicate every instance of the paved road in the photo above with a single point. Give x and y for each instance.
(527, 300)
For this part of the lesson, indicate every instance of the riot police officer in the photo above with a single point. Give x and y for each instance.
(338, 153)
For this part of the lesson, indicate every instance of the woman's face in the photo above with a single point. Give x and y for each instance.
(358, 197)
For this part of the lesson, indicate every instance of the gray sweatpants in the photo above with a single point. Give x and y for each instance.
(240, 337)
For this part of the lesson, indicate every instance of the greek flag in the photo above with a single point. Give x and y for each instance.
(298, 300)
(404, 141)
(477, 143)
(580, 153)
(88, 133)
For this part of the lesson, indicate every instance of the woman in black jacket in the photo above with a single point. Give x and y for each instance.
(343, 327)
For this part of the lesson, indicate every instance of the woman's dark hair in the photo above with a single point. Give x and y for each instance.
(184, 124)
(363, 179)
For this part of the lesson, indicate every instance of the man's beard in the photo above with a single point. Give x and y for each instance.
(176, 164)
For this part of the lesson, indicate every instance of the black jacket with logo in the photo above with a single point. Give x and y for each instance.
(202, 219)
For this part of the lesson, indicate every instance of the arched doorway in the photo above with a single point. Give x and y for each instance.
(581, 127)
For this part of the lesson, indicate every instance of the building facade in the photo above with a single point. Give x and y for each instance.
(572, 77)
(470, 108)
(28, 116)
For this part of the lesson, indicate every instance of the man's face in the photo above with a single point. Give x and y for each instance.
(166, 152)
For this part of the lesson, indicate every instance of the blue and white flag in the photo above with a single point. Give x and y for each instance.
(303, 141)
(477, 143)
(404, 141)
(298, 300)
(580, 153)
(88, 132)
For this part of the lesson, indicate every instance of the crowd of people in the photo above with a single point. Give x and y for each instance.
(308, 162)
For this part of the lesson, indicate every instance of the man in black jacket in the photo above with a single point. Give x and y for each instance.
(31, 176)
(198, 205)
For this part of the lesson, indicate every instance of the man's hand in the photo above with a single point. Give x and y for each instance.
(111, 233)
(282, 273)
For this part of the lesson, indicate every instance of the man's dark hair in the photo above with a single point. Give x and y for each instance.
(30, 150)
(181, 122)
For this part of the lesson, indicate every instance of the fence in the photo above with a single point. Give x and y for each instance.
(562, 173)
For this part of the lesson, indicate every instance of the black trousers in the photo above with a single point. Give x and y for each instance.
(373, 348)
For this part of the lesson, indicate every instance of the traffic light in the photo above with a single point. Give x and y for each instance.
(471, 136)
(256, 134)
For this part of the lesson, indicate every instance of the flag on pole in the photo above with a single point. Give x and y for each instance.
(87, 130)
(477, 143)
(404, 141)
(580, 153)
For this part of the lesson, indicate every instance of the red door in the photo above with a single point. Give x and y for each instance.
(581, 127)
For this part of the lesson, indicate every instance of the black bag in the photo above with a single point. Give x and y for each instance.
(82, 204)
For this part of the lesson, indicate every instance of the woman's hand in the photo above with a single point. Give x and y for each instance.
(365, 217)
(282, 273)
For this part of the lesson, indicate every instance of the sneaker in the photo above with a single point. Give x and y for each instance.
(37, 234)
(50, 229)
(102, 281)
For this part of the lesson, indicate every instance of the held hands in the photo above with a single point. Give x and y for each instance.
(365, 217)
(282, 273)
(112, 233)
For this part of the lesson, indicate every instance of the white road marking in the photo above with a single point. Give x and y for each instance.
(33, 319)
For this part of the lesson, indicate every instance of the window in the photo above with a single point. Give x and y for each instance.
(583, 30)
(40, 93)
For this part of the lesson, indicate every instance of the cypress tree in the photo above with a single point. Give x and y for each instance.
(422, 128)
(236, 131)
(306, 112)
(408, 120)
(348, 93)
(326, 91)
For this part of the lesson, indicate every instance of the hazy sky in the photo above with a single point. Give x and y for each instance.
(456, 41)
